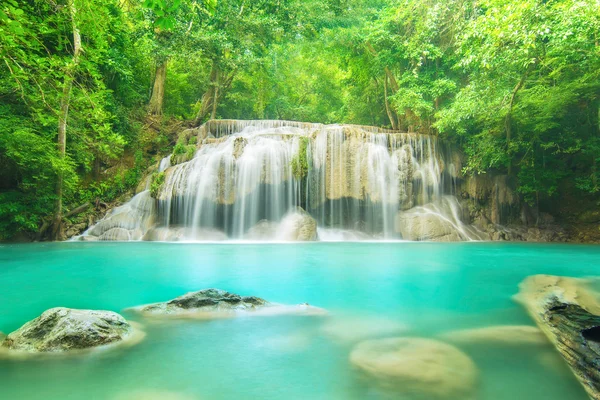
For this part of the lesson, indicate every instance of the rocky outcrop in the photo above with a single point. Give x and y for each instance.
(441, 222)
(120, 234)
(60, 330)
(127, 222)
(420, 225)
(297, 226)
(415, 368)
(496, 195)
(568, 312)
(216, 303)
(498, 335)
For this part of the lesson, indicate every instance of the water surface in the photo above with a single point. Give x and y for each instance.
(428, 288)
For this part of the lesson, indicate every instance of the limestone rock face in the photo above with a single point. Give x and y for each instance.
(64, 329)
(299, 226)
(127, 222)
(115, 234)
(413, 225)
(216, 303)
(416, 368)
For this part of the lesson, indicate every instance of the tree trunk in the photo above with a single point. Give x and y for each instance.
(215, 102)
(219, 83)
(508, 120)
(158, 90)
(63, 117)
(388, 109)
(208, 96)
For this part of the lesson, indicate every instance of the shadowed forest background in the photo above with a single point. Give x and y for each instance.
(94, 92)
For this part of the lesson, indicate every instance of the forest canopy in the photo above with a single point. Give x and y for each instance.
(91, 90)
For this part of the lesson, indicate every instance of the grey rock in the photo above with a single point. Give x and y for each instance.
(207, 300)
(64, 329)
(217, 303)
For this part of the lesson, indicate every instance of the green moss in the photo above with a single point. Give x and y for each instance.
(155, 186)
(179, 149)
(190, 150)
(299, 163)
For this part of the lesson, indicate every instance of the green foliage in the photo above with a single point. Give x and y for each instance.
(179, 149)
(158, 180)
(515, 83)
(299, 163)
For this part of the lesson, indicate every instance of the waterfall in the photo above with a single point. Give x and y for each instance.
(246, 177)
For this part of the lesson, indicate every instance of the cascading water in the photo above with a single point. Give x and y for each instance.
(255, 179)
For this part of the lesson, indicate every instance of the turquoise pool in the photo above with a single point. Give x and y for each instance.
(414, 289)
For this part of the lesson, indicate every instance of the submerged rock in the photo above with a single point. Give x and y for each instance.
(503, 334)
(216, 303)
(65, 329)
(153, 395)
(352, 329)
(297, 225)
(567, 310)
(416, 368)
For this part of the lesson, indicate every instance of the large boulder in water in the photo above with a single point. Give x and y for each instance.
(297, 225)
(263, 230)
(415, 368)
(440, 221)
(64, 329)
(216, 303)
(417, 224)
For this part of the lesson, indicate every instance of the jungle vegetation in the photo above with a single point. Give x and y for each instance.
(89, 88)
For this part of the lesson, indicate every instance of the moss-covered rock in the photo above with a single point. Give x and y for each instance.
(64, 329)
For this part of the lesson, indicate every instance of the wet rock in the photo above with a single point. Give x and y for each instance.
(129, 220)
(416, 224)
(503, 334)
(115, 234)
(75, 229)
(216, 303)
(64, 329)
(297, 225)
(415, 368)
(263, 230)
(567, 310)
(88, 238)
